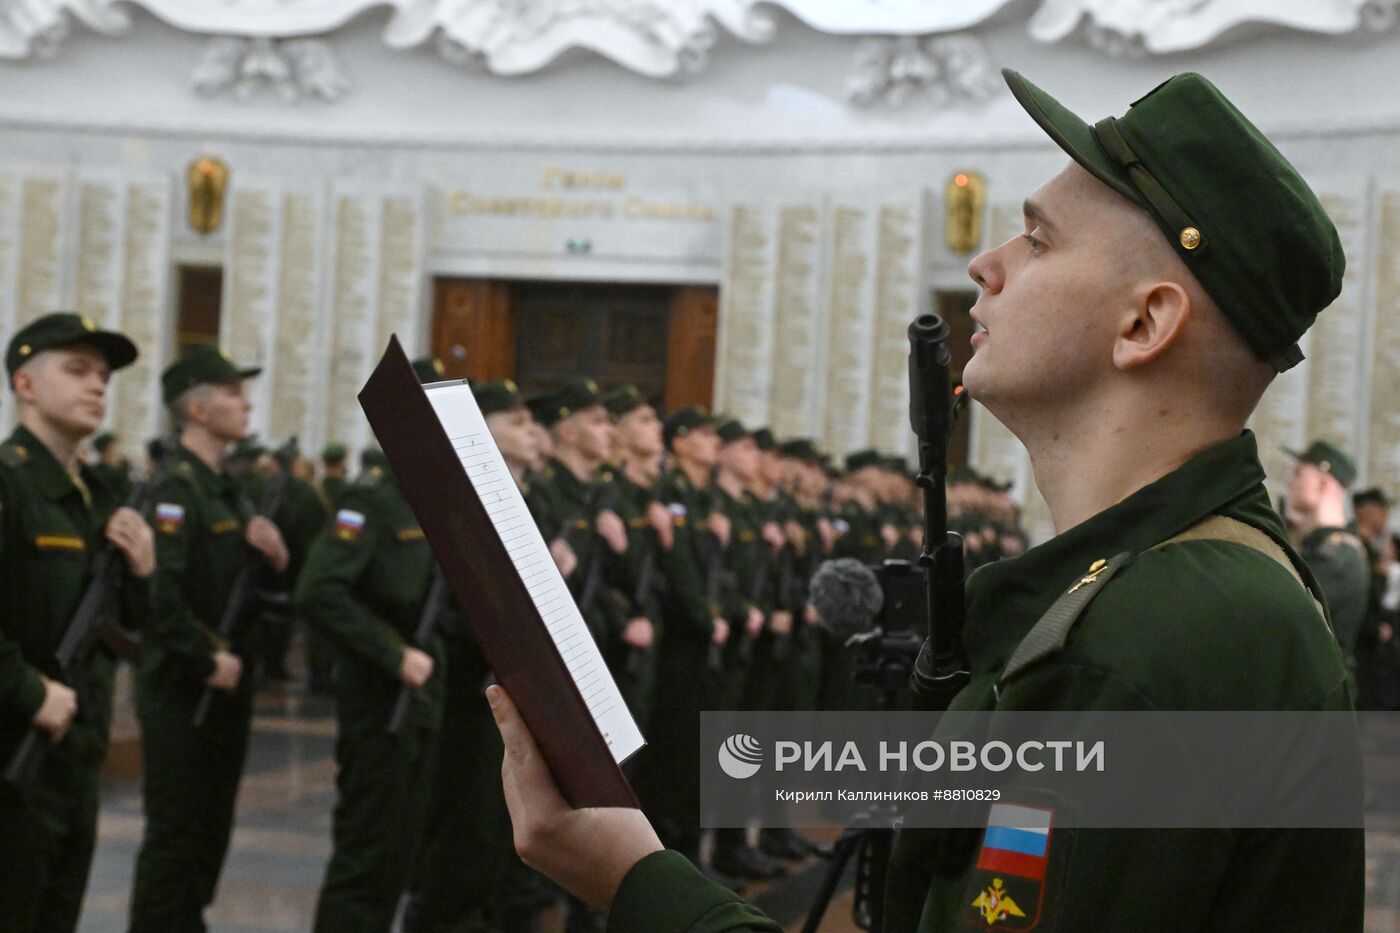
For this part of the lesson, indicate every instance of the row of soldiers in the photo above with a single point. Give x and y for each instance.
(688, 544)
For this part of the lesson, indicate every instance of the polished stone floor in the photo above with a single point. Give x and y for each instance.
(282, 840)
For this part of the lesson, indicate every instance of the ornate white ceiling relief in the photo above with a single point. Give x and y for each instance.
(927, 53)
(294, 68)
(943, 70)
(657, 38)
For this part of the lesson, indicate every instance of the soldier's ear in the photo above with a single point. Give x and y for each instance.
(1151, 324)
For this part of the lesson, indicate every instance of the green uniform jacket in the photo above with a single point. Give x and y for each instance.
(199, 518)
(363, 589)
(565, 507)
(49, 535)
(1338, 560)
(1195, 625)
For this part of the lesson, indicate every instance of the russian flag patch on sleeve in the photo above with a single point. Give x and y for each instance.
(1009, 883)
(169, 517)
(348, 524)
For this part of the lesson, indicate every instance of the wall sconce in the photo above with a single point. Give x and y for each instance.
(207, 178)
(964, 199)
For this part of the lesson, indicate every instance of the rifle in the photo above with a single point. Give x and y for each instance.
(645, 600)
(601, 497)
(760, 579)
(252, 561)
(941, 669)
(94, 620)
(713, 568)
(422, 636)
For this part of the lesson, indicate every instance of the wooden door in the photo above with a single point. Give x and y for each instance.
(690, 351)
(473, 330)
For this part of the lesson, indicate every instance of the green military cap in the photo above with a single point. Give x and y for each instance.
(501, 395)
(861, 459)
(206, 365)
(1373, 496)
(1329, 458)
(1187, 156)
(800, 448)
(333, 454)
(623, 400)
(61, 329)
(683, 420)
(763, 437)
(568, 400)
(372, 457)
(155, 449)
(104, 440)
(429, 369)
(730, 430)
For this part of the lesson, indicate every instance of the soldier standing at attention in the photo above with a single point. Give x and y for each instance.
(1162, 281)
(204, 524)
(334, 474)
(738, 465)
(364, 591)
(1317, 494)
(637, 449)
(55, 516)
(668, 779)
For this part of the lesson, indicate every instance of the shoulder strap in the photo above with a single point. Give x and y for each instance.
(1051, 631)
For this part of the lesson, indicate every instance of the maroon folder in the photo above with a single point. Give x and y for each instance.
(487, 587)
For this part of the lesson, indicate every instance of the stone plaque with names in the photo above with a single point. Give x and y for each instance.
(101, 247)
(743, 379)
(297, 375)
(898, 300)
(1383, 449)
(43, 216)
(797, 337)
(251, 276)
(1334, 376)
(850, 322)
(354, 296)
(144, 316)
(401, 268)
(9, 270)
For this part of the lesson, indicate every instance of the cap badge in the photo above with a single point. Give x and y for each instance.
(25, 349)
(88, 325)
(1190, 237)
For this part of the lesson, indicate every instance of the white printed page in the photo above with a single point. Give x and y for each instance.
(460, 416)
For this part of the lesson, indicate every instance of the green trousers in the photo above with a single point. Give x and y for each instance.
(189, 785)
(46, 846)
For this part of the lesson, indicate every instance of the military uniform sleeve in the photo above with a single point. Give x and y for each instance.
(325, 594)
(664, 893)
(1339, 564)
(174, 629)
(685, 576)
(21, 687)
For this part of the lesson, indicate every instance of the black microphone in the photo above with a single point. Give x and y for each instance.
(847, 596)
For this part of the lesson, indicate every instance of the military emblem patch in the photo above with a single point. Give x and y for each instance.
(1009, 882)
(348, 524)
(170, 517)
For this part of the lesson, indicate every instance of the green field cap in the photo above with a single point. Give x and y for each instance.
(206, 365)
(501, 395)
(1240, 216)
(64, 328)
(1329, 458)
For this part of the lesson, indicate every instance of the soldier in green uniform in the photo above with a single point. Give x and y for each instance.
(469, 879)
(741, 594)
(668, 780)
(566, 500)
(334, 474)
(203, 526)
(55, 516)
(1317, 494)
(111, 467)
(1134, 327)
(364, 591)
(635, 573)
(869, 536)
